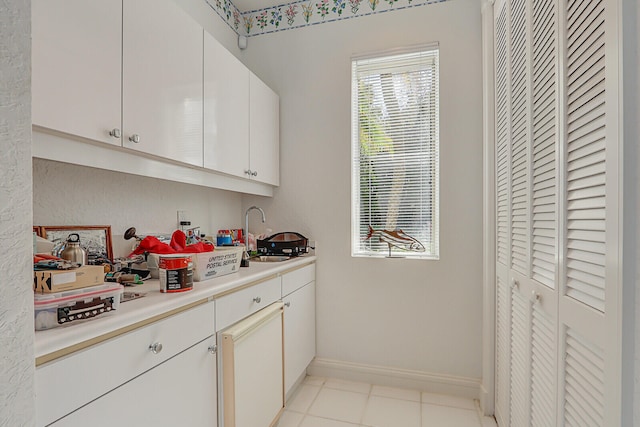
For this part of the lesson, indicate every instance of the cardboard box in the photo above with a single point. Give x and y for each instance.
(49, 281)
(223, 260)
(207, 265)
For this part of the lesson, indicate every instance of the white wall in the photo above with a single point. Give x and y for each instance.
(16, 296)
(212, 23)
(423, 316)
(65, 194)
(632, 71)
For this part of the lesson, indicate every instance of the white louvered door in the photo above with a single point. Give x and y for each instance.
(503, 171)
(545, 213)
(590, 284)
(557, 340)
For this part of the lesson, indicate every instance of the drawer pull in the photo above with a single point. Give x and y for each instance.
(287, 304)
(213, 349)
(155, 348)
(257, 300)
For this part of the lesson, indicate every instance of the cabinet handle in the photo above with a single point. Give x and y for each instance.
(115, 132)
(515, 284)
(248, 172)
(257, 300)
(213, 349)
(155, 348)
(287, 304)
(254, 173)
(135, 138)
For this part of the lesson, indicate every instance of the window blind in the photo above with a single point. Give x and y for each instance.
(395, 102)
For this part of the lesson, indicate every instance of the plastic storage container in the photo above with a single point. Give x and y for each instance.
(53, 310)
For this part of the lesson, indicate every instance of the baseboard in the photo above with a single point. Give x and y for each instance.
(486, 401)
(394, 377)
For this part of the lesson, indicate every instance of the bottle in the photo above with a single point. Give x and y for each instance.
(72, 250)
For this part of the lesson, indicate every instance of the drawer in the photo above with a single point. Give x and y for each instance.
(238, 305)
(65, 384)
(298, 278)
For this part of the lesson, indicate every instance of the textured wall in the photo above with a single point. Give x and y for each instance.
(16, 297)
(65, 194)
(411, 314)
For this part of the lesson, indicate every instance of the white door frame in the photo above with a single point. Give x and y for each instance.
(487, 391)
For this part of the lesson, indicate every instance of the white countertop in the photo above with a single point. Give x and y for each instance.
(155, 303)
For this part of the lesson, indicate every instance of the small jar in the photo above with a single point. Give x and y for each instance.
(224, 238)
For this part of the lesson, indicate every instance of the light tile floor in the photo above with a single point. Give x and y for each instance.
(327, 402)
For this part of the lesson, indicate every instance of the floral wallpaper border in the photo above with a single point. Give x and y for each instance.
(304, 13)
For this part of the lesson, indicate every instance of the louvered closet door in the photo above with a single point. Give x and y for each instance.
(526, 137)
(532, 114)
(519, 44)
(557, 345)
(544, 231)
(589, 344)
(503, 257)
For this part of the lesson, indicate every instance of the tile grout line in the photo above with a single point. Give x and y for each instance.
(324, 386)
(306, 413)
(366, 405)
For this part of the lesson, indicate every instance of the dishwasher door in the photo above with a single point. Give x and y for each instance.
(252, 364)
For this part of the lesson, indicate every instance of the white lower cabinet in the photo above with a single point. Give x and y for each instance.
(250, 369)
(179, 392)
(252, 361)
(265, 346)
(299, 334)
(170, 373)
(159, 365)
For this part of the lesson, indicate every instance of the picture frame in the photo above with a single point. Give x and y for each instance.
(95, 239)
(37, 230)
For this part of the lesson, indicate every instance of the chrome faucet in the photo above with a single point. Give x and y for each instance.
(245, 255)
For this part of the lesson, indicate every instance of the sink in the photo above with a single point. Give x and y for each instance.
(270, 258)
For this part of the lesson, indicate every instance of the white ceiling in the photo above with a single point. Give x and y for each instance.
(249, 5)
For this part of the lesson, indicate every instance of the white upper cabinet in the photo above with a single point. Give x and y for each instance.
(264, 132)
(162, 81)
(226, 110)
(144, 76)
(76, 68)
(241, 118)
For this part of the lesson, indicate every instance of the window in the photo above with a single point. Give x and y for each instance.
(394, 113)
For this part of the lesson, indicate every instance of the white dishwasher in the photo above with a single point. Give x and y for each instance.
(252, 362)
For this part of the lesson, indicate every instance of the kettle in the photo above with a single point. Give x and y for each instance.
(72, 250)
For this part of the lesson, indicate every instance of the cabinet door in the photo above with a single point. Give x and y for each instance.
(180, 391)
(226, 110)
(162, 81)
(299, 333)
(252, 369)
(76, 67)
(264, 132)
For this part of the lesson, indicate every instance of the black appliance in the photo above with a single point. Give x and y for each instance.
(286, 243)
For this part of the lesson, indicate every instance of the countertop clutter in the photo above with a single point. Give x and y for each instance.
(58, 342)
